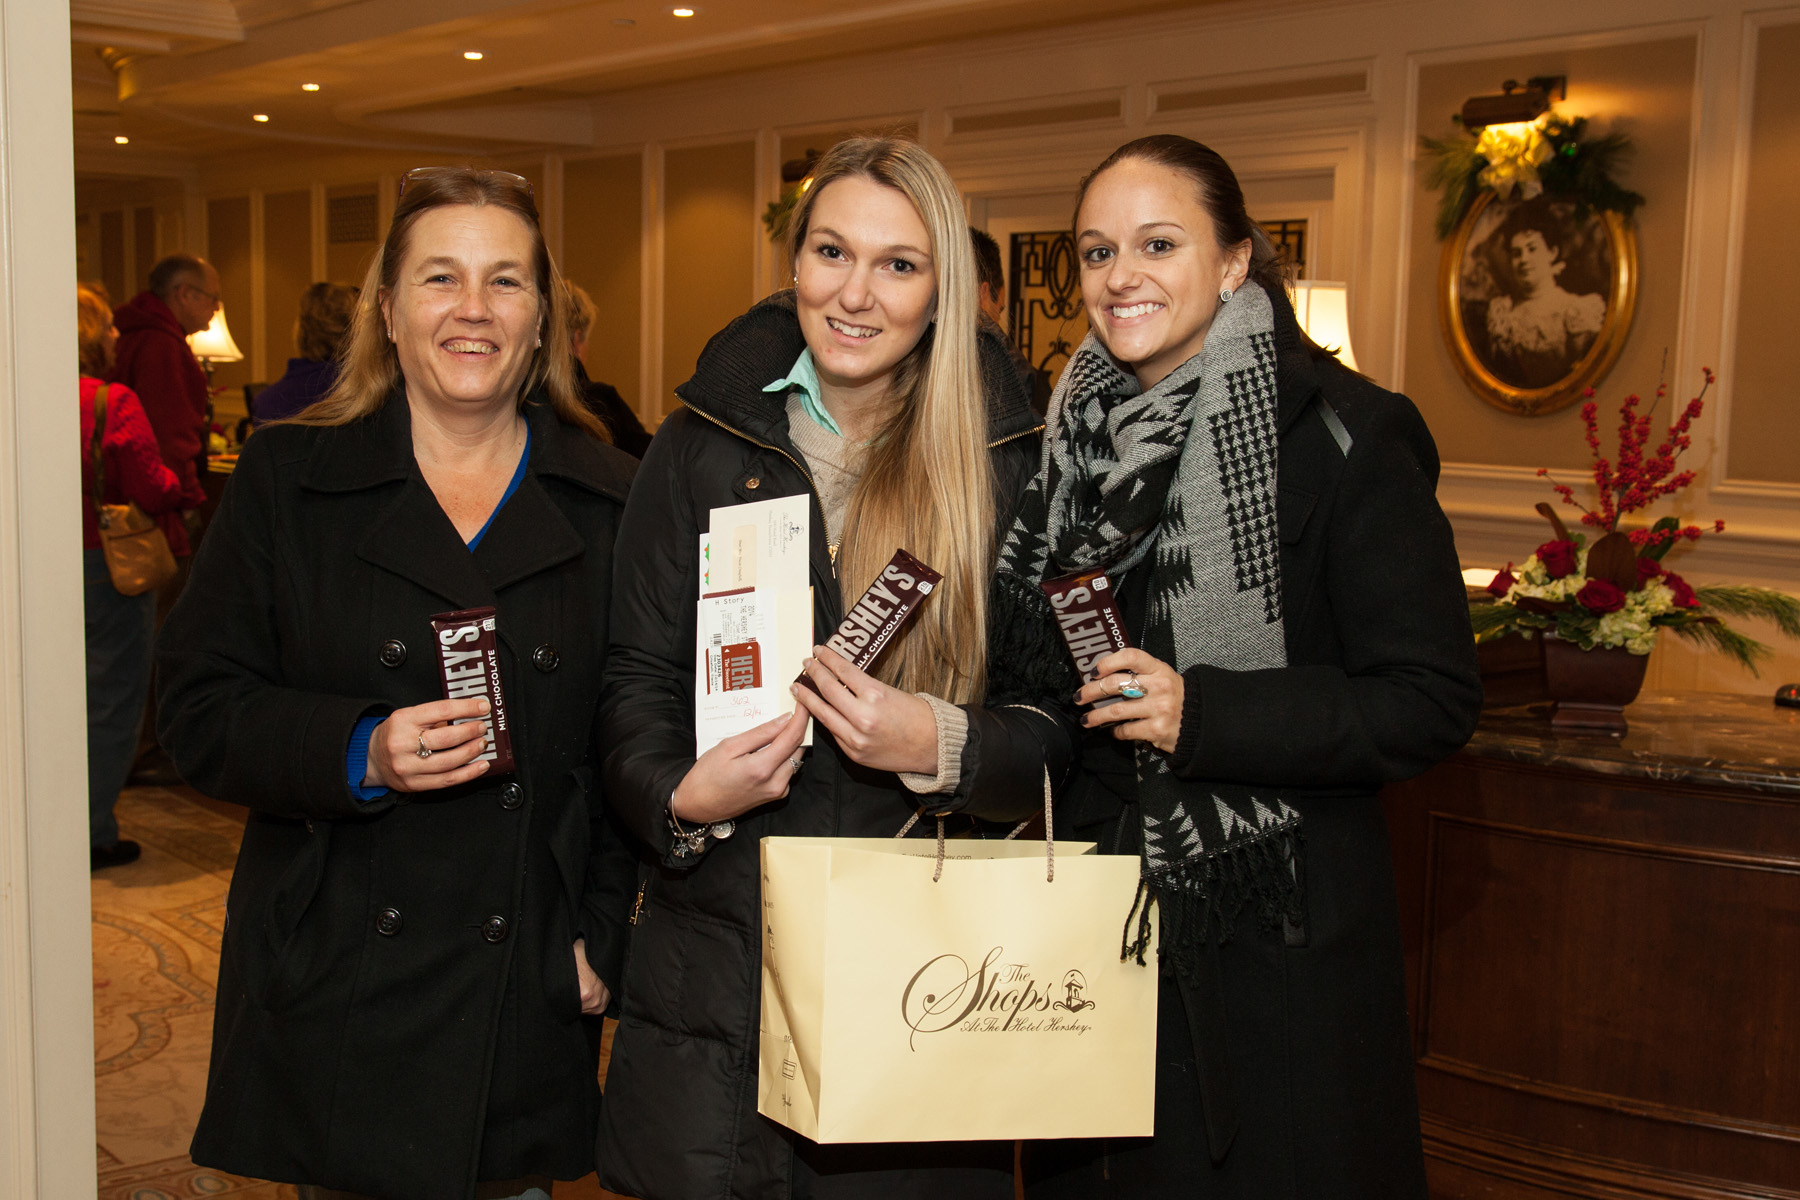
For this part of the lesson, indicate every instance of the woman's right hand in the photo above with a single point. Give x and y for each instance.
(742, 772)
(394, 759)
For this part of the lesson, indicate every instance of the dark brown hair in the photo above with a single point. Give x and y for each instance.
(1220, 195)
(371, 365)
(326, 310)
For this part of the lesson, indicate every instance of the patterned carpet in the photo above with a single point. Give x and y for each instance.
(157, 928)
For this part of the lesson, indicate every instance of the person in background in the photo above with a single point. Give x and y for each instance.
(420, 939)
(118, 627)
(603, 399)
(992, 296)
(326, 310)
(153, 360)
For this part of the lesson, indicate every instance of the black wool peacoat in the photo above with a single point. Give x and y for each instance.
(398, 1012)
(680, 1121)
(1292, 1077)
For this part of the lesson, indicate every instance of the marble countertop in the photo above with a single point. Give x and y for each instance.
(1709, 738)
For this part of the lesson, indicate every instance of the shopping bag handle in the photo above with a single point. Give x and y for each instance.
(937, 871)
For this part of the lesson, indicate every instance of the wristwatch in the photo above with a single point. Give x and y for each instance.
(692, 842)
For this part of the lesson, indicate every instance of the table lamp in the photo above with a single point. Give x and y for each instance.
(1324, 312)
(214, 345)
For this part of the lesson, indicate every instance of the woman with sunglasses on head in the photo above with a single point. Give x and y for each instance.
(871, 390)
(1292, 592)
(420, 939)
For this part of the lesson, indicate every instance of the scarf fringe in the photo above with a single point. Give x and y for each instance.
(1202, 899)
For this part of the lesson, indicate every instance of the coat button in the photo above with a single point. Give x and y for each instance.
(511, 797)
(545, 657)
(393, 652)
(752, 483)
(494, 929)
(388, 923)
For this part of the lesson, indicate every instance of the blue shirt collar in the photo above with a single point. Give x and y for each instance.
(804, 375)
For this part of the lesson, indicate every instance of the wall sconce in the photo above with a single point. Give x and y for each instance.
(1514, 105)
(798, 170)
(213, 344)
(1324, 312)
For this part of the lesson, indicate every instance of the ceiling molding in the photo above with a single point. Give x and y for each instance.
(553, 124)
(255, 13)
(124, 39)
(208, 20)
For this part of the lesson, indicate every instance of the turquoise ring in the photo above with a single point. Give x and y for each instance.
(1133, 690)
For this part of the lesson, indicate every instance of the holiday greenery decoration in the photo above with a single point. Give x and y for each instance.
(1550, 156)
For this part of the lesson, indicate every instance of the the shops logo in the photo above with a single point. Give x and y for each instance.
(947, 994)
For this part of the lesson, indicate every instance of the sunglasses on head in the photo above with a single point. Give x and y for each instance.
(420, 174)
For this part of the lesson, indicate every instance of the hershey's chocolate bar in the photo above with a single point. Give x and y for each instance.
(1089, 621)
(882, 612)
(469, 663)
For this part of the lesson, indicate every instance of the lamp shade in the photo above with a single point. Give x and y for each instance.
(214, 344)
(1324, 312)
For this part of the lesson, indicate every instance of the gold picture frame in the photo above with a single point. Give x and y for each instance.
(1536, 299)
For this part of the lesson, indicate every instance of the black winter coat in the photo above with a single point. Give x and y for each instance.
(398, 1012)
(680, 1122)
(1302, 1086)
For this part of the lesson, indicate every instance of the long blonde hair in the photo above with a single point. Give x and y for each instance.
(927, 485)
(371, 364)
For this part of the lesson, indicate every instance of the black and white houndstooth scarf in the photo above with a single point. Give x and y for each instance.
(1183, 474)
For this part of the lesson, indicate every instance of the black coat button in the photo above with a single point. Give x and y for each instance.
(545, 657)
(511, 797)
(494, 929)
(388, 923)
(393, 652)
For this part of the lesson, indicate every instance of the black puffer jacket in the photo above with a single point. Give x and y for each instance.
(680, 1120)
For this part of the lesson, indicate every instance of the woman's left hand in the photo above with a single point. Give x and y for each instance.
(1156, 717)
(876, 725)
(594, 996)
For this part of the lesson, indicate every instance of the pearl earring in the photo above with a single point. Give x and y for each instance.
(1224, 295)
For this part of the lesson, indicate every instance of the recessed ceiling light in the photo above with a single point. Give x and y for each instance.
(122, 140)
(682, 12)
(472, 55)
(309, 87)
(261, 117)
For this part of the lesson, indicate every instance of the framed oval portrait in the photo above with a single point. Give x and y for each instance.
(1536, 299)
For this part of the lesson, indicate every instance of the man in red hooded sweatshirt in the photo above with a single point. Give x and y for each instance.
(153, 360)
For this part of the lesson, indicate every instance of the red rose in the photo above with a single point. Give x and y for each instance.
(1600, 596)
(1558, 558)
(1502, 582)
(1647, 569)
(1684, 595)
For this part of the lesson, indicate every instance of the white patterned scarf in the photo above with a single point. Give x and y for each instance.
(1183, 474)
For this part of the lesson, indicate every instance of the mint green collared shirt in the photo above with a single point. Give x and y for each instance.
(804, 374)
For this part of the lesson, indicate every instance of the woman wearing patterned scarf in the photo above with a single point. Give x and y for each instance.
(1290, 583)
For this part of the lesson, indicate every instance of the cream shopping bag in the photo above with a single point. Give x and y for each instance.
(988, 1004)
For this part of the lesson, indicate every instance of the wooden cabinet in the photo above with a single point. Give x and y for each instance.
(1603, 953)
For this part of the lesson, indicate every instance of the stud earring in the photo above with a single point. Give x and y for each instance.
(1224, 295)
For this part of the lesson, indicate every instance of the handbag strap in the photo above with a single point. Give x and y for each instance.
(1049, 821)
(94, 447)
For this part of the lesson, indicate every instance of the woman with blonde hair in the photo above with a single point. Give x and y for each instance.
(427, 914)
(869, 389)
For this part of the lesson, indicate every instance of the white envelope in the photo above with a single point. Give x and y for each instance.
(754, 625)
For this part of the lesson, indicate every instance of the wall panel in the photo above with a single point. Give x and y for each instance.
(228, 246)
(1644, 89)
(287, 270)
(603, 201)
(709, 222)
(144, 248)
(1763, 444)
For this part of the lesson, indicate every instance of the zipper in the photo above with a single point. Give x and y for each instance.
(812, 484)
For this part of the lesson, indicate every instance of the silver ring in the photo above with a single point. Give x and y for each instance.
(796, 764)
(424, 750)
(1133, 690)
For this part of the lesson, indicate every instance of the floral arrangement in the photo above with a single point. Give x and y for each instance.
(1549, 156)
(1616, 592)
